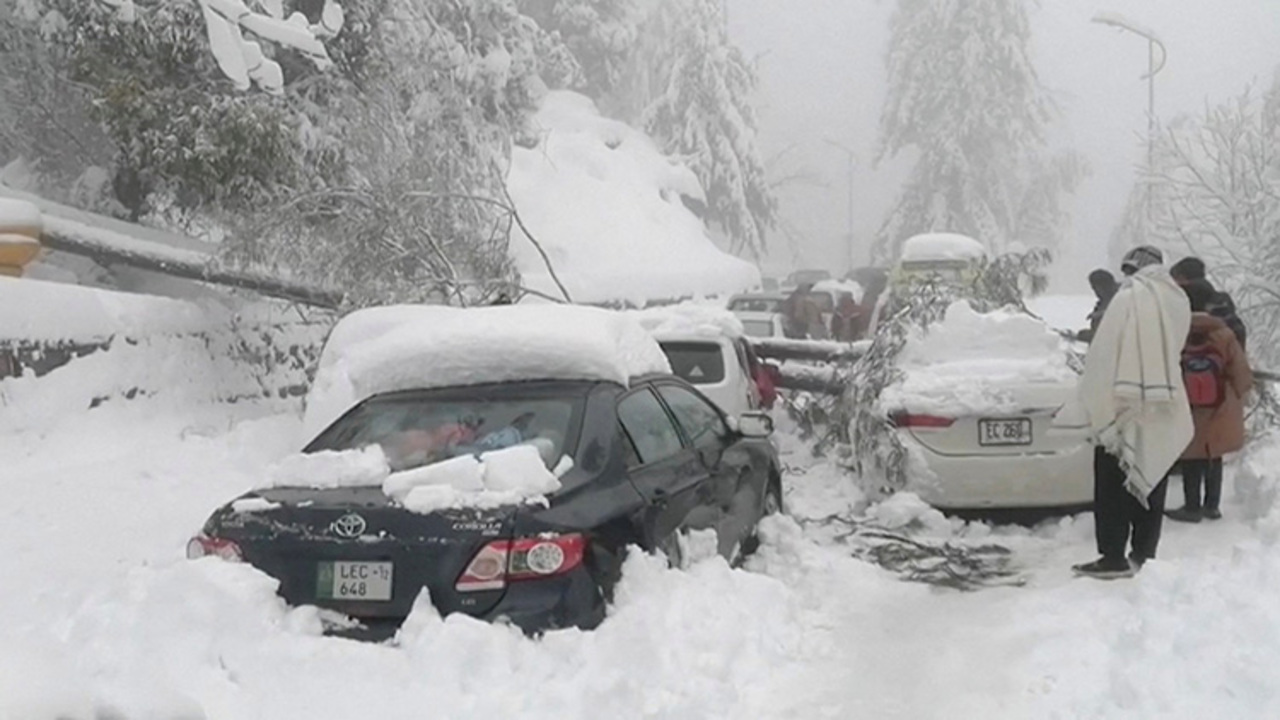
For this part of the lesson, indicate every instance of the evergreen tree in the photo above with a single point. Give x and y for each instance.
(701, 112)
(602, 35)
(963, 93)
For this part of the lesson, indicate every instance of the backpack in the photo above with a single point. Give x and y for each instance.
(1202, 373)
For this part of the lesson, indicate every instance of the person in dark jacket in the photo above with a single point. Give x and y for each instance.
(1104, 288)
(1219, 423)
(1222, 306)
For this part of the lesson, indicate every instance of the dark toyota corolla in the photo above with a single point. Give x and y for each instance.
(649, 462)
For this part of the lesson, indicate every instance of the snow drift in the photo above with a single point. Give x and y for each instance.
(606, 207)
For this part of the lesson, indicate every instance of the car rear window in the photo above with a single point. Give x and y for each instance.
(700, 363)
(758, 328)
(416, 431)
(756, 304)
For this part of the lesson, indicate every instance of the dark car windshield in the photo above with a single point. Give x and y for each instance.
(700, 363)
(417, 429)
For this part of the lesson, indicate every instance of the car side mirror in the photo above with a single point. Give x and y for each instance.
(754, 425)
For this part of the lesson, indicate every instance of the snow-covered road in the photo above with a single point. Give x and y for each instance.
(102, 614)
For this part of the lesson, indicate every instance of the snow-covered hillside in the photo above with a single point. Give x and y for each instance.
(606, 206)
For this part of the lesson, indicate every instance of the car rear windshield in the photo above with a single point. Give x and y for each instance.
(420, 429)
(756, 304)
(700, 363)
(757, 328)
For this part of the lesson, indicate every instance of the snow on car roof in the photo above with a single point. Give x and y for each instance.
(974, 362)
(837, 287)
(408, 347)
(942, 246)
(688, 320)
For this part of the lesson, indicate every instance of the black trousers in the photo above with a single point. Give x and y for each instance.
(1117, 514)
(1198, 473)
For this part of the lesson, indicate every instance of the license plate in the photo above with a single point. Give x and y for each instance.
(360, 581)
(1014, 431)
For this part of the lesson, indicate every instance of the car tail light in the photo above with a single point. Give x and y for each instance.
(913, 420)
(504, 561)
(204, 546)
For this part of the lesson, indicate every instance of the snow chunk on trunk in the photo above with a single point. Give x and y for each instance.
(512, 476)
(331, 469)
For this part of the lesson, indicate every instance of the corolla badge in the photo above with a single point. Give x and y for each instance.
(348, 526)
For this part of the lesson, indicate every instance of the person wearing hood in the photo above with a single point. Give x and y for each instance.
(1138, 413)
(1104, 288)
(1217, 376)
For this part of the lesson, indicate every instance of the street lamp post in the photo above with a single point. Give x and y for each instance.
(853, 160)
(1153, 41)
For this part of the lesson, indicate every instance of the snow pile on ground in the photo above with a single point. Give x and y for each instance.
(688, 319)
(942, 246)
(408, 347)
(606, 207)
(972, 362)
(1063, 312)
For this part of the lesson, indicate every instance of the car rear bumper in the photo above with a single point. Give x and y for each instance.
(972, 482)
(571, 600)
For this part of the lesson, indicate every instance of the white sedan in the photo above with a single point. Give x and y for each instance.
(985, 407)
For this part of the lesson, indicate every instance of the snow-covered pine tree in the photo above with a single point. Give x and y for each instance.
(602, 36)
(964, 95)
(701, 112)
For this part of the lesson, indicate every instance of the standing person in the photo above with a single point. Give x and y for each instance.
(1192, 269)
(1217, 376)
(1104, 288)
(1138, 411)
(795, 316)
(846, 321)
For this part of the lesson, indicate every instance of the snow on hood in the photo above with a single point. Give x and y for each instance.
(972, 362)
(606, 206)
(688, 319)
(407, 347)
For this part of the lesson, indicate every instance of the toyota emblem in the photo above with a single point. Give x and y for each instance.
(350, 525)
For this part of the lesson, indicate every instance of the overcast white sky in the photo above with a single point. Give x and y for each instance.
(822, 77)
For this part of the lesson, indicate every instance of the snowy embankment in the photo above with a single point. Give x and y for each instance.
(607, 208)
(103, 617)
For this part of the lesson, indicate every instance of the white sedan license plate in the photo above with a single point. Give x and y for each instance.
(360, 581)
(1014, 431)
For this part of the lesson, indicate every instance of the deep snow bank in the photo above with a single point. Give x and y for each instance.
(605, 205)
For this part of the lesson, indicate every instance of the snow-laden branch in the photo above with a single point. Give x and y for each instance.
(241, 59)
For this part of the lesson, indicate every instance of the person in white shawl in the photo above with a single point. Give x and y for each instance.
(1137, 407)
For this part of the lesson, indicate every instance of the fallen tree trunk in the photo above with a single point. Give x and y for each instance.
(822, 380)
(809, 350)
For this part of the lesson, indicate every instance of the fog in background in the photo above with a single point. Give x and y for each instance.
(821, 65)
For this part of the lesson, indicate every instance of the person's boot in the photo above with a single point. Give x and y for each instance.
(1185, 514)
(1212, 514)
(1105, 568)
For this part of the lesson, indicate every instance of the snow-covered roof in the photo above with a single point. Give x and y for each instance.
(688, 320)
(974, 362)
(405, 347)
(839, 287)
(607, 207)
(942, 246)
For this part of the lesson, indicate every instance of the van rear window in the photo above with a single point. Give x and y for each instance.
(696, 362)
